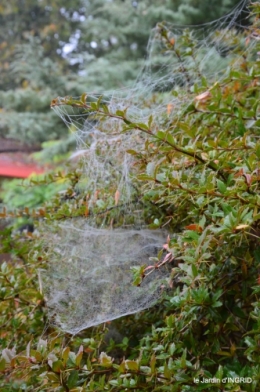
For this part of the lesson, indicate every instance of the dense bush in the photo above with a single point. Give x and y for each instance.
(202, 174)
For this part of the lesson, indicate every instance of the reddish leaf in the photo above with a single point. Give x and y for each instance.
(248, 179)
(117, 196)
(194, 227)
(203, 97)
(169, 108)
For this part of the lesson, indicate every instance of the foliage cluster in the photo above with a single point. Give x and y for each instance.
(202, 175)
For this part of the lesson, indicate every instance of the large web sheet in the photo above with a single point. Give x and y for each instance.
(90, 279)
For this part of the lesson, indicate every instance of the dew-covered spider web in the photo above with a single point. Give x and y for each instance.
(89, 280)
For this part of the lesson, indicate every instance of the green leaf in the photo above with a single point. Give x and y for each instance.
(172, 348)
(217, 304)
(83, 98)
(105, 360)
(120, 113)
(150, 120)
(145, 177)
(53, 377)
(224, 353)
(143, 126)
(221, 186)
(129, 123)
(105, 108)
(72, 357)
(99, 101)
(194, 270)
(183, 359)
(166, 371)
(79, 355)
(132, 365)
(2, 364)
(132, 152)
(257, 150)
(152, 363)
(138, 273)
(161, 177)
(170, 139)
(93, 105)
(219, 373)
(239, 312)
(115, 383)
(57, 366)
(150, 168)
(161, 135)
(191, 234)
(73, 379)
(65, 354)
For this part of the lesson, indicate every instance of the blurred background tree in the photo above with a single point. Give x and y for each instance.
(33, 67)
(49, 48)
(114, 35)
(50, 21)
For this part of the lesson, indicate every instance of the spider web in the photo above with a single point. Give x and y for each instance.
(89, 280)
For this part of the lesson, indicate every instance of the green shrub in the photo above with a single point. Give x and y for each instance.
(204, 181)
